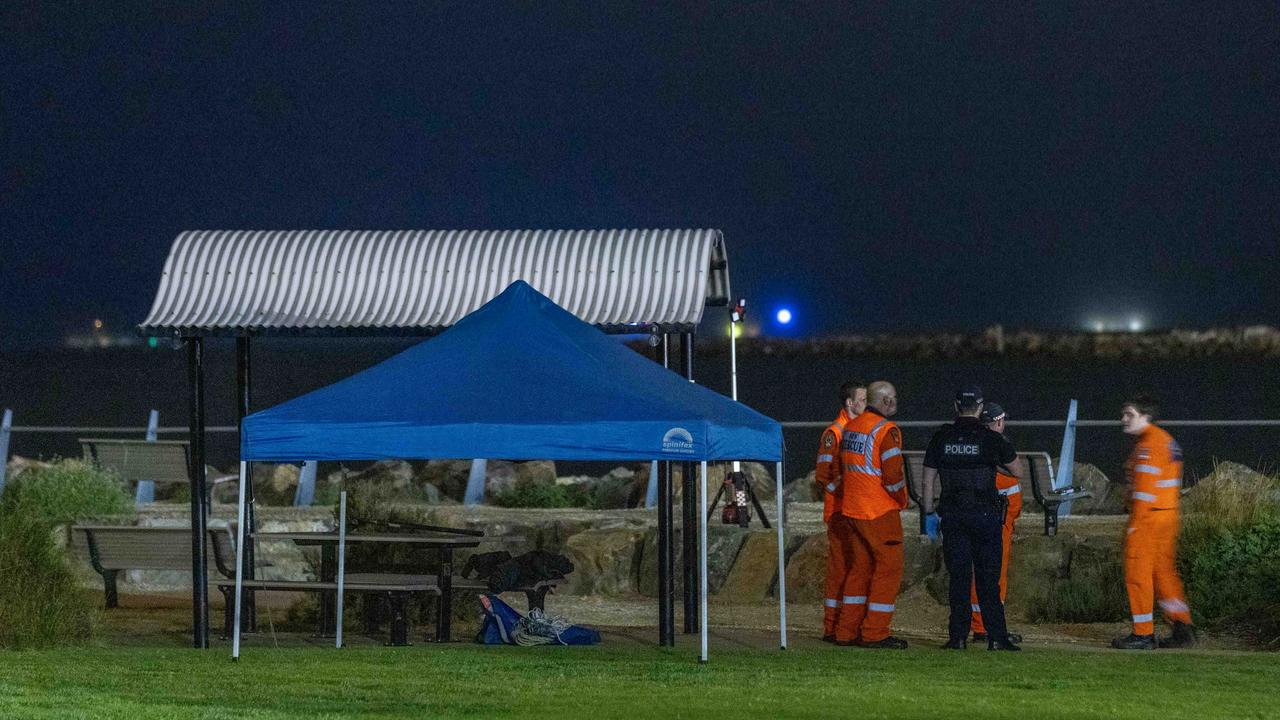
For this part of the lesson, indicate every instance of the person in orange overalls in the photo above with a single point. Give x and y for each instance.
(874, 495)
(1010, 487)
(1154, 473)
(853, 400)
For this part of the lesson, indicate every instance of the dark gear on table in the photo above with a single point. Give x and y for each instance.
(966, 455)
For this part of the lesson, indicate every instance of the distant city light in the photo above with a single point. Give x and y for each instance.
(784, 317)
(1116, 323)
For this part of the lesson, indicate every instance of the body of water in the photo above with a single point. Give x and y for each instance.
(120, 386)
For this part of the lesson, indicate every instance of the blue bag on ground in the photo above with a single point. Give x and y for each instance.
(503, 625)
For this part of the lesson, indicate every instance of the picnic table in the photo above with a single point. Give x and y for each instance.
(443, 543)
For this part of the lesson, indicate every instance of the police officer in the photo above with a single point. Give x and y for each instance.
(964, 456)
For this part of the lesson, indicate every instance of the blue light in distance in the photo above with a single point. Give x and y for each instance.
(784, 316)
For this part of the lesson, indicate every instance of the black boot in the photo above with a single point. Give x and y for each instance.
(1183, 636)
(955, 644)
(829, 638)
(1135, 642)
(1006, 644)
(889, 643)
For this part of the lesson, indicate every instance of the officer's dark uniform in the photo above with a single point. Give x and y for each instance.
(966, 454)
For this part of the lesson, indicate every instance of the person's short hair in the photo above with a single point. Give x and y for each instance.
(967, 408)
(849, 390)
(1144, 404)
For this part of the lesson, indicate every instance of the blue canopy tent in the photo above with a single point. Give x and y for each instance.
(520, 378)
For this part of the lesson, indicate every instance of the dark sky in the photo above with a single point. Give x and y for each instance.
(913, 168)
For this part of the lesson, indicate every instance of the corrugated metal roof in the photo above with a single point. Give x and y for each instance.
(350, 282)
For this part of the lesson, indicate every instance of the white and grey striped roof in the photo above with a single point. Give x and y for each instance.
(350, 282)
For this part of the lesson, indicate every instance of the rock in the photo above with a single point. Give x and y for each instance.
(605, 562)
(448, 476)
(807, 570)
(18, 465)
(752, 577)
(536, 471)
(284, 478)
(802, 489)
(1108, 497)
(723, 545)
(396, 474)
(500, 476)
(621, 487)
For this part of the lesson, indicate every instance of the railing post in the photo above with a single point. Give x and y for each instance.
(146, 491)
(651, 493)
(5, 425)
(1067, 458)
(306, 492)
(475, 482)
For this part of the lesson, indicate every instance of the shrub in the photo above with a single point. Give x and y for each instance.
(1229, 554)
(1094, 591)
(543, 495)
(41, 603)
(66, 491)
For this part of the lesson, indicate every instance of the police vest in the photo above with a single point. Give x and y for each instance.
(967, 474)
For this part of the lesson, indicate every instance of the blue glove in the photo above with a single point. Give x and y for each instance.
(931, 523)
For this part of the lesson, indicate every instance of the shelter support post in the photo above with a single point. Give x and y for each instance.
(702, 562)
(305, 494)
(244, 405)
(474, 494)
(199, 548)
(235, 630)
(687, 504)
(782, 561)
(666, 558)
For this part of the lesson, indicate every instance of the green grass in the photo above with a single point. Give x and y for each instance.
(631, 681)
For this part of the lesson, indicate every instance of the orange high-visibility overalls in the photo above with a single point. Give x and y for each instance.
(1011, 488)
(1154, 471)
(838, 539)
(874, 495)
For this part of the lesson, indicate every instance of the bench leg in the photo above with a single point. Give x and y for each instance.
(1051, 520)
(445, 582)
(109, 587)
(228, 611)
(372, 605)
(399, 618)
(537, 599)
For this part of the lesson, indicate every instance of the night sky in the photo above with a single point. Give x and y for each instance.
(906, 169)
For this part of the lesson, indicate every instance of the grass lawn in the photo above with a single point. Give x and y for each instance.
(628, 679)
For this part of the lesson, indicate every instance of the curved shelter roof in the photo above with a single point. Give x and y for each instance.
(418, 282)
(520, 378)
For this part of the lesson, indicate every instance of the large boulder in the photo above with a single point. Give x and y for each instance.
(605, 562)
(396, 474)
(723, 545)
(1108, 497)
(621, 487)
(449, 476)
(755, 571)
(803, 489)
(807, 570)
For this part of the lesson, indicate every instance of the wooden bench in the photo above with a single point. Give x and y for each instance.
(112, 548)
(160, 461)
(395, 591)
(1040, 478)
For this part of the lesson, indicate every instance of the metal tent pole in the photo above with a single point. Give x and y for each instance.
(702, 563)
(244, 395)
(199, 548)
(687, 505)
(235, 630)
(782, 562)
